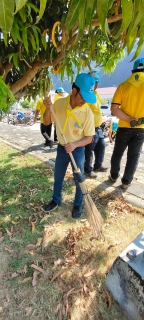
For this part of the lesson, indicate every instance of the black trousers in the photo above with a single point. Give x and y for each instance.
(46, 129)
(132, 139)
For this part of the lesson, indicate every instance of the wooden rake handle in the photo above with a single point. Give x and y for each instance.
(64, 139)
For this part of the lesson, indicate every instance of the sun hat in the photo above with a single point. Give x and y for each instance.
(85, 82)
(96, 75)
(59, 89)
(138, 64)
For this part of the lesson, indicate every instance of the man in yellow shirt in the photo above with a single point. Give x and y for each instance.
(77, 122)
(40, 108)
(98, 144)
(128, 105)
(59, 93)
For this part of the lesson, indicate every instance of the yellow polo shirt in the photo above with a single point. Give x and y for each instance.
(96, 110)
(41, 107)
(73, 131)
(57, 96)
(130, 96)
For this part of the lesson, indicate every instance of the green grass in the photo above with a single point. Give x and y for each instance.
(26, 184)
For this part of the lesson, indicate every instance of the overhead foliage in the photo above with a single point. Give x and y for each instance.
(39, 36)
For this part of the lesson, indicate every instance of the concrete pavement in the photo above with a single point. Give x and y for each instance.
(28, 139)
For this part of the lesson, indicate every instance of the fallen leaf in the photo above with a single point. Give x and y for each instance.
(71, 259)
(37, 268)
(109, 299)
(28, 311)
(57, 274)
(70, 292)
(33, 227)
(26, 280)
(92, 238)
(9, 250)
(45, 218)
(34, 280)
(24, 270)
(15, 222)
(89, 274)
(85, 288)
(31, 246)
(14, 275)
(39, 241)
(1, 239)
(59, 262)
(77, 302)
(9, 233)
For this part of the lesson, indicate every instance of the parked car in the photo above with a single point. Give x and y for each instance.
(106, 110)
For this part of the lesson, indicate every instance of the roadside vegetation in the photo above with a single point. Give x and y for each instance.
(52, 267)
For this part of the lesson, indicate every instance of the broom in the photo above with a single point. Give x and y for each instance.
(94, 217)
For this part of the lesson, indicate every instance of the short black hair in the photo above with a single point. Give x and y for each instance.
(76, 87)
(137, 70)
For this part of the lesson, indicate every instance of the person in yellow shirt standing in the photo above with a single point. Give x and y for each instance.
(128, 105)
(59, 94)
(98, 144)
(40, 108)
(77, 123)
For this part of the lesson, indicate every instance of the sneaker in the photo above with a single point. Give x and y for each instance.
(50, 206)
(91, 174)
(101, 169)
(112, 179)
(76, 212)
(125, 186)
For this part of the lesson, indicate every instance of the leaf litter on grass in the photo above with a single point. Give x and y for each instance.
(56, 270)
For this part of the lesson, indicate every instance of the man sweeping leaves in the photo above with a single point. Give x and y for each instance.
(77, 123)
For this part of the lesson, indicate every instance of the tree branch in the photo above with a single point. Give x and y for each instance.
(30, 73)
(35, 66)
(96, 23)
(7, 67)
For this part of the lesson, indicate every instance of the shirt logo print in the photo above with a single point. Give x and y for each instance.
(76, 125)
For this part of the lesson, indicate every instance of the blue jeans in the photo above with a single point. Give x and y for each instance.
(98, 146)
(133, 140)
(61, 164)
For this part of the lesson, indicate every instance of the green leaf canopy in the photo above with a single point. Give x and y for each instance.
(42, 36)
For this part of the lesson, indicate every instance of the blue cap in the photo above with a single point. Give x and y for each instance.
(138, 64)
(85, 82)
(96, 75)
(59, 89)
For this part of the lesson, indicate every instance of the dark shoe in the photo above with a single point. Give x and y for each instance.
(91, 174)
(76, 212)
(48, 144)
(112, 179)
(125, 186)
(50, 206)
(101, 169)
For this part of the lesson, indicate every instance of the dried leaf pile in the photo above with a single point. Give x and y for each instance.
(51, 267)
